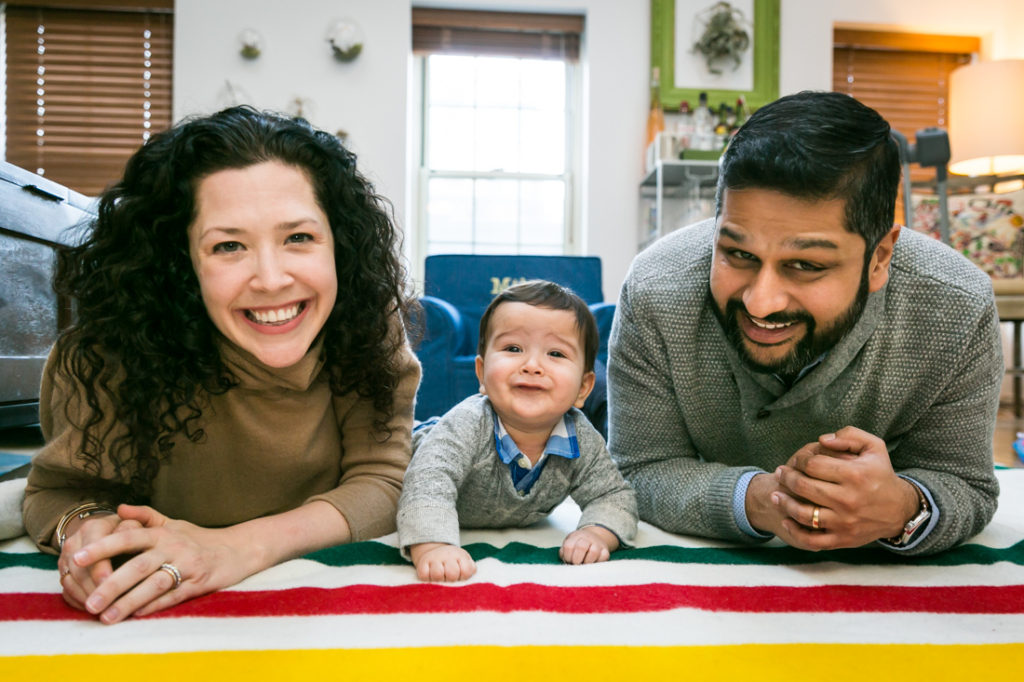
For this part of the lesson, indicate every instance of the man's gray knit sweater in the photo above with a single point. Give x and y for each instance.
(921, 369)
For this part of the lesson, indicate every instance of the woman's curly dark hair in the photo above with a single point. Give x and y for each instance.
(143, 341)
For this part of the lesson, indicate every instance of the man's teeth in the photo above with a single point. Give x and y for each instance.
(278, 316)
(769, 325)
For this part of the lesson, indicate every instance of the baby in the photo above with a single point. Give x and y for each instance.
(509, 455)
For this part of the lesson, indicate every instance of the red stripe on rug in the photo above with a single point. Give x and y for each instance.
(427, 598)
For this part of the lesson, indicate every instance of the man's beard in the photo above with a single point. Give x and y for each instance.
(814, 343)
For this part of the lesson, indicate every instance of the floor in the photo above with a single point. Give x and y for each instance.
(1007, 427)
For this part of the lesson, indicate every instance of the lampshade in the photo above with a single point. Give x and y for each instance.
(986, 118)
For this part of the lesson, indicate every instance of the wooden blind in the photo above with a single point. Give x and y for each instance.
(85, 88)
(507, 34)
(903, 76)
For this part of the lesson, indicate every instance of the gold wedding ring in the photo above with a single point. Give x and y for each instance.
(172, 570)
(815, 518)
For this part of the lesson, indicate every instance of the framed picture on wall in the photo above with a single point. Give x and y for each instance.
(726, 49)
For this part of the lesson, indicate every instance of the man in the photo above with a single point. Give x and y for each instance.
(800, 367)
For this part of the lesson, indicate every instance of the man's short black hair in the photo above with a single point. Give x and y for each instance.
(819, 146)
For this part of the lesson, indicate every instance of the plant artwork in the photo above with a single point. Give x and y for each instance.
(724, 39)
(728, 50)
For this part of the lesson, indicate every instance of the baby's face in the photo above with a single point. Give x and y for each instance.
(532, 368)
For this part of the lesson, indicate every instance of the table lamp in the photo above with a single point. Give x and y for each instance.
(985, 119)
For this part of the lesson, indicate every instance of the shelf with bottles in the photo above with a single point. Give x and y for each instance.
(675, 193)
(681, 160)
(665, 171)
(701, 133)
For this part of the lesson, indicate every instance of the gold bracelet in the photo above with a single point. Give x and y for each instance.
(82, 511)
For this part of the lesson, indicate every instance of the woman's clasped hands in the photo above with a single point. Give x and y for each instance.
(166, 562)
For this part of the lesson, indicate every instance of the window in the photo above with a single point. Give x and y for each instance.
(903, 76)
(84, 87)
(498, 152)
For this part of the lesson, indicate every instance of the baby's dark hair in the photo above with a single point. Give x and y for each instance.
(544, 294)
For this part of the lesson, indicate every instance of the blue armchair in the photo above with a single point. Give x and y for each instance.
(457, 289)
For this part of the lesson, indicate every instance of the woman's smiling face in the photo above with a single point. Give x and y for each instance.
(263, 251)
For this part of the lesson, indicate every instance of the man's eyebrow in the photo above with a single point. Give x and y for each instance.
(794, 243)
(731, 234)
(811, 243)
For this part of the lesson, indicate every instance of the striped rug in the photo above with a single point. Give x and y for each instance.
(674, 607)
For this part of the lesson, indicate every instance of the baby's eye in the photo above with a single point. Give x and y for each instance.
(512, 348)
(226, 247)
(556, 354)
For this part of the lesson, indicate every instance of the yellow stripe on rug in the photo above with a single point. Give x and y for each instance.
(761, 662)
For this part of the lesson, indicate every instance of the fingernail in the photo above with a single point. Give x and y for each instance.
(110, 615)
(80, 556)
(94, 604)
(829, 436)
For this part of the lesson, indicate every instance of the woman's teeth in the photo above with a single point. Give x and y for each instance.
(275, 316)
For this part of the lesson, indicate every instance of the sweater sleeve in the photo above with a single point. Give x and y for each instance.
(59, 480)
(427, 510)
(373, 466)
(604, 496)
(648, 437)
(949, 449)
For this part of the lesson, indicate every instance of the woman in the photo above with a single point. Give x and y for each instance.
(237, 389)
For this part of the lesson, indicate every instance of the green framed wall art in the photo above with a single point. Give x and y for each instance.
(758, 85)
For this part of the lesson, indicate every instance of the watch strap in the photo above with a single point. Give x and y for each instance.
(915, 523)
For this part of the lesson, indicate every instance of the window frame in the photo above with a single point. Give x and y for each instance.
(572, 223)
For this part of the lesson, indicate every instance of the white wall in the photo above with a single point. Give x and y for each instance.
(366, 98)
(369, 97)
(805, 56)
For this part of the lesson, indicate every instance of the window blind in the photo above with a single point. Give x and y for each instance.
(85, 88)
(903, 76)
(507, 34)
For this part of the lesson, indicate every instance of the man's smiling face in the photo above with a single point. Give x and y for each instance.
(787, 278)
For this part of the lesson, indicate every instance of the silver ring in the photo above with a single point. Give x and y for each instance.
(172, 571)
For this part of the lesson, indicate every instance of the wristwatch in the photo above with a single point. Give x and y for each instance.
(914, 524)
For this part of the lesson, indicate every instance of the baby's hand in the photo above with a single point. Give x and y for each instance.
(441, 562)
(588, 545)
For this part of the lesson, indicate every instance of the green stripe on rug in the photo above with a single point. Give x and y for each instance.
(521, 553)
(374, 553)
(378, 554)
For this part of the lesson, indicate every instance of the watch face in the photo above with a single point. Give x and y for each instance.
(914, 525)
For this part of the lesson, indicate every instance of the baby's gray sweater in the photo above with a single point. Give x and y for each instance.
(456, 477)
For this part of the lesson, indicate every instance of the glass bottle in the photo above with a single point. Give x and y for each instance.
(684, 128)
(742, 113)
(655, 117)
(703, 124)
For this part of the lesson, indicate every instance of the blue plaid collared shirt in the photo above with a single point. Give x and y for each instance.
(561, 443)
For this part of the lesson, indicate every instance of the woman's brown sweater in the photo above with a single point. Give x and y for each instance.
(276, 441)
